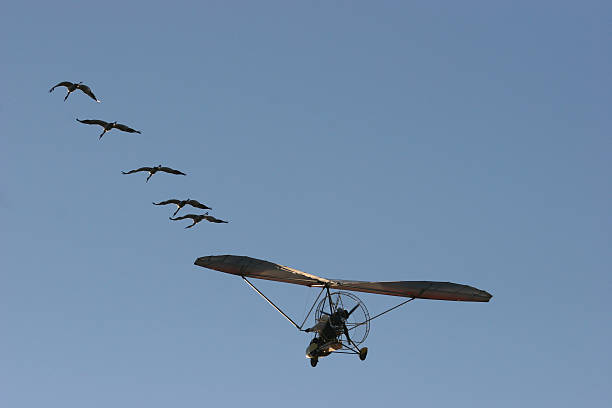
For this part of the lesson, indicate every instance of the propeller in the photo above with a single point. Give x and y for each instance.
(344, 328)
(353, 309)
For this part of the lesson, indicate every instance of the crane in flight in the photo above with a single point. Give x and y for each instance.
(73, 87)
(181, 203)
(108, 126)
(153, 170)
(199, 217)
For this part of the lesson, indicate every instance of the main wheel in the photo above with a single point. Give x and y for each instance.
(358, 323)
(314, 361)
(363, 353)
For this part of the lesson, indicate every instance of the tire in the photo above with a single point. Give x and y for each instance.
(363, 353)
(314, 361)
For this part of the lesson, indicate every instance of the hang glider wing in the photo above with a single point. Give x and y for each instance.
(417, 289)
(256, 268)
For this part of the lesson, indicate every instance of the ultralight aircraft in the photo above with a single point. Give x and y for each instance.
(342, 321)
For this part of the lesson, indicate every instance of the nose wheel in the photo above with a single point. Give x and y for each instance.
(363, 353)
(314, 361)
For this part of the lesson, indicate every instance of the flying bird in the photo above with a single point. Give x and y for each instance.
(199, 217)
(108, 126)
(73, 87)
(153, 170)
(181, 203)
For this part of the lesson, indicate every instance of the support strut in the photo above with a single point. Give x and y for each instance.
(279, 310)
(380, 314)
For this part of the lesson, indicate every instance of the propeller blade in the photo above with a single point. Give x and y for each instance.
(353, 309)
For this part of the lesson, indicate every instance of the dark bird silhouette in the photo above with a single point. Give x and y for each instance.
(73, 87)
(153, 170)
(181, 203)
(108, 126)
(199, 217)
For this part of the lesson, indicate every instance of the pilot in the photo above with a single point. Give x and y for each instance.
(337, 319)
(318, 328)
(334, 325)
(330, 327)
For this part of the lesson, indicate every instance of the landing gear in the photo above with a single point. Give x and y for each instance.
(363, 353)
(314, 361)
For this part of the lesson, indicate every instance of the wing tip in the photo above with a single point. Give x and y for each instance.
(205, 261)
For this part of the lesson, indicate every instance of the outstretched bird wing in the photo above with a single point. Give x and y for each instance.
(172, 201)
(125, 128)
(87, 91)
(191, 216)
(197, 204)
(210, 218)
(64, 83)
(172, 171)
(93, 122)
(137, 170)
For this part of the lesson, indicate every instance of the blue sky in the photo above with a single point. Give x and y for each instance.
(357, 140)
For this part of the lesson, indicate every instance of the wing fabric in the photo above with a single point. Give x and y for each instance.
(256, 268)
(417, 289)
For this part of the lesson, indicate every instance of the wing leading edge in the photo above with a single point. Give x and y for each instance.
(417, 289)
(256, 268)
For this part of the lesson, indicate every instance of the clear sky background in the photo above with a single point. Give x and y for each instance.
(454, 141)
